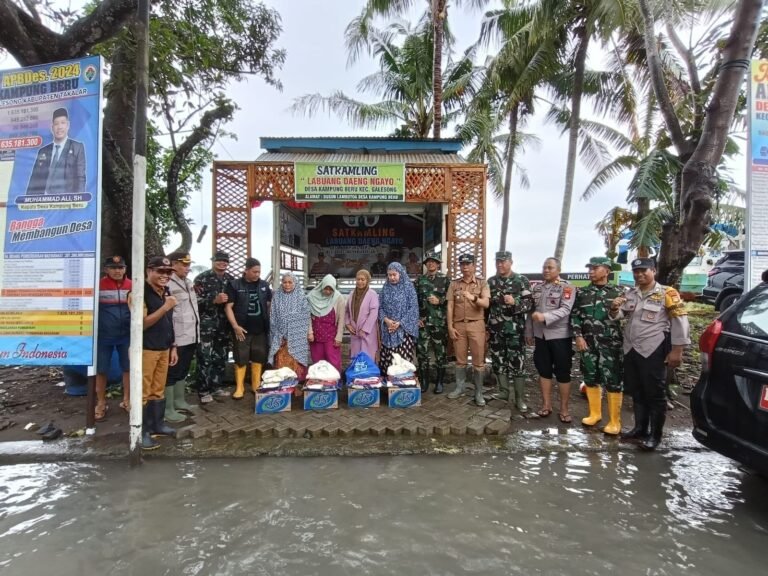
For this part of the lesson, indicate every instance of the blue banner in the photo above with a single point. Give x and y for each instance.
(50, 186)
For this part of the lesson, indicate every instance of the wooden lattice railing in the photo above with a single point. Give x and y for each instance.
(462, 186)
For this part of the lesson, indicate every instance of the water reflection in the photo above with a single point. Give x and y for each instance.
(543, 513)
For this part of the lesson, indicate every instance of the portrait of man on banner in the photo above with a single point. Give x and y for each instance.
(60, 166)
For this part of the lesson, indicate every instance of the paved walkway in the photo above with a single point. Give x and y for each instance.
(437, 416)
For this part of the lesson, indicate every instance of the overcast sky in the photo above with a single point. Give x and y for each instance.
(313, 36)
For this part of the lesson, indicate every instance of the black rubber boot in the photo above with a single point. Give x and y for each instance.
(159, 427)
(440, 377)
(147, 443)
(424, 378)
(640, 432)
(657, 428)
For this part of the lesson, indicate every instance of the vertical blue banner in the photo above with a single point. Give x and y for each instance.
(50, 192)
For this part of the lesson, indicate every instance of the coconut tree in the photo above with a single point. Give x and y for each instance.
(506, 98)
(359, 32)
(402, 84)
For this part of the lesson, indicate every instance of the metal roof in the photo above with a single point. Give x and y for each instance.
(360, 145)
(407, 158)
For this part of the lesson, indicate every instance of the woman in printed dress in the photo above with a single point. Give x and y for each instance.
(398, 317)
(326, 305)
(362, 313)
(289, 328)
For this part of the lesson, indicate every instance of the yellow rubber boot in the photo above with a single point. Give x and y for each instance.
(614, 412)
(255, 377)
(595, 408)
(239, 382)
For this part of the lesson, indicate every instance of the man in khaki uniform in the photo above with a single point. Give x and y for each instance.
(655, 334)
(468, 297)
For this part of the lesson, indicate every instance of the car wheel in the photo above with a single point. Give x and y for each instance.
(728, 301)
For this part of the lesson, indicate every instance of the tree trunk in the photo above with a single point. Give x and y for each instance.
(573, 139)
(510, 161)
(643, 209)
(438, 21)
(681, 242)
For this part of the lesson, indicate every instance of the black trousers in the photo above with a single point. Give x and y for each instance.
(646, 378)
(179, 371)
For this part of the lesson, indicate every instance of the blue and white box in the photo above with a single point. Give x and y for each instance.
(403, 397)
(363, 397)
(273, 402)
(321, 399)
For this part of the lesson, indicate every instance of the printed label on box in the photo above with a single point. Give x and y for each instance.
(363, 398)
(271, 403)
(321, 400)
(404, 397)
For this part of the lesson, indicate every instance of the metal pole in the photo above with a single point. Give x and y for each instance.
(139, 218)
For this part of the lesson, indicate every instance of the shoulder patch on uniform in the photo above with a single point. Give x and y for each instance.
(567, 292)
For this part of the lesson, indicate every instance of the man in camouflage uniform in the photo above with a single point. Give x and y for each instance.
(599, 341)
(215, 339)
(511, 300)
(431, 289)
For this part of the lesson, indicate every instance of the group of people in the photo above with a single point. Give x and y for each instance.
(625, 339)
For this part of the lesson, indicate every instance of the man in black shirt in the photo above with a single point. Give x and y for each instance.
(159, 349)
(247, 310)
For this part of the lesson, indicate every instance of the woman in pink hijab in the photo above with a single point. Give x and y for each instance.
(362, 315)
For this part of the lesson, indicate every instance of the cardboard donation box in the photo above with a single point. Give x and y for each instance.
(403, 397)
(363, 397)
(321, 396)
(274, 401)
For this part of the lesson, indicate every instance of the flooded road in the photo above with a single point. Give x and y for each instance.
(561, 513)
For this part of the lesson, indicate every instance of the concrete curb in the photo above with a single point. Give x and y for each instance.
(548, 440)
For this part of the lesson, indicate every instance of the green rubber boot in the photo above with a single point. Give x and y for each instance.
(179, 399)
(503, 381)
(519, 384)
(170, 412)
(461, 381)
(478, 379)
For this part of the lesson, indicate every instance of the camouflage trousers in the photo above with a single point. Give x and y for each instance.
(436, 339)
(507, 354)
(212, 356)
(602, 366)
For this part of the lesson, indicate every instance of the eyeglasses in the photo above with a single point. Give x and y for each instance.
(163, 272)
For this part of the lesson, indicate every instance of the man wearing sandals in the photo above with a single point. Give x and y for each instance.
(548, 329)
(114, 331)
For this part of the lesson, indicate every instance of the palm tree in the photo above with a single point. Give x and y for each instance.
(506, 98)
(437, 11)
(402, 84)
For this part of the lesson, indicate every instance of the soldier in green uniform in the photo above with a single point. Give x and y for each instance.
(511, 300)
(431, 289)
(599, 340)
(215, 338)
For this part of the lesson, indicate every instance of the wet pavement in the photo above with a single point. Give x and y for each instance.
(578, 512)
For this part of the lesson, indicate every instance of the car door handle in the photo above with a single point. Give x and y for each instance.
(758, 373)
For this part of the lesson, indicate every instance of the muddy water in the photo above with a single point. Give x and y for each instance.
(578, 513)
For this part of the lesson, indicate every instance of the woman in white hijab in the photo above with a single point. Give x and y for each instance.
(326, 305)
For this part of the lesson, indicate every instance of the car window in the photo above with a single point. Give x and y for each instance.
(752, 318)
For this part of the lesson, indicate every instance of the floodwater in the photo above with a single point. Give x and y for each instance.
(623, 513)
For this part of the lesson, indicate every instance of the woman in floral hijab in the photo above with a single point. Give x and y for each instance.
(289, 328)
(398, 316)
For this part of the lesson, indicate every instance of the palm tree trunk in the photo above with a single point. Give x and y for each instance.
(438, 19)
(573, 139)
(643, 209)
(510, 161)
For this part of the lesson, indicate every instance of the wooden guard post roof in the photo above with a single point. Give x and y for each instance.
(434, 173)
